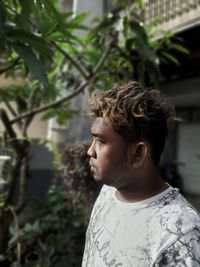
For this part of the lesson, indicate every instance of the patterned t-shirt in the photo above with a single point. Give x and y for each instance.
(160, 231)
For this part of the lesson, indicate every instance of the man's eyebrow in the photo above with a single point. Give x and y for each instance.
(96, 134)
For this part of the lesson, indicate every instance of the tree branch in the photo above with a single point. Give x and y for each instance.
(9, 107)
(22, 186)
(76, 64)
(78, 90)
(12, 111)
(55, 104)
(103, 57)
(10, 131)
(11, 65)
(34, 102)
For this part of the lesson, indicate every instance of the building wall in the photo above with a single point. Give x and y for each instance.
(185, 94)
(38, 128)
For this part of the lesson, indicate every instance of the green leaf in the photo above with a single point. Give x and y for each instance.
(31, 61)
(49, 115)
(79, 19)
(34, 41)
(170, 57)
(179, 48)
(140, 69)
(52, 11)
(140, 3)
(21, 104)
(15, 4)
(142, 40)
(2, 15)
(26, 7)
(125, 26)
(48, 28)
(105, 25)
(153, 74)
(77, 22)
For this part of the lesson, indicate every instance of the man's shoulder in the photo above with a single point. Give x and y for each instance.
(180, 214)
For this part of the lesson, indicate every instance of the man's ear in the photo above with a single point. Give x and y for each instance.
(140, 154)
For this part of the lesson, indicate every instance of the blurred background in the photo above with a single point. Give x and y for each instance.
(53, 55)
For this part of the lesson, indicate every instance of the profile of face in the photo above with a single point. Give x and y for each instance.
(111, 157)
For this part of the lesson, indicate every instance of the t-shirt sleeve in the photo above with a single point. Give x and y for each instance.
(184, 252)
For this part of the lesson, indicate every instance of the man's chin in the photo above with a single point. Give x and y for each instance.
(96, 178)
(102, 180)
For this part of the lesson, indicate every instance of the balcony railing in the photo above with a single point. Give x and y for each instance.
(168, 14)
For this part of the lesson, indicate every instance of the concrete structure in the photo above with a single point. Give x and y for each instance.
(182, 85)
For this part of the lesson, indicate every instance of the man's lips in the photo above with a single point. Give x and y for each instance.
(92, 166)
(91, 163)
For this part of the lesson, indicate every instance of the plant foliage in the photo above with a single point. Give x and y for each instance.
(56, 236)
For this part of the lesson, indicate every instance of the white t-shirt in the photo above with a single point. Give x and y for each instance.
(160, 231)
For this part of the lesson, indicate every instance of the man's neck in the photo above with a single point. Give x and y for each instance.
(134, 193)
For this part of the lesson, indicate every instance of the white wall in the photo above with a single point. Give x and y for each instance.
(93, 7)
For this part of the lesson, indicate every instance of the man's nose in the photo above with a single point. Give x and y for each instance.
(91, 151)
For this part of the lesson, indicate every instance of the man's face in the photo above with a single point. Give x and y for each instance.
(109, 155)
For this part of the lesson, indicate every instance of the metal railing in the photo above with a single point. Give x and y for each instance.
(165, 11)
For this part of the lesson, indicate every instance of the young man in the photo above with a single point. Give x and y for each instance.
(138, 220)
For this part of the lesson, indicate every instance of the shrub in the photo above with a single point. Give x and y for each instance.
(56, 237)
(81, 186)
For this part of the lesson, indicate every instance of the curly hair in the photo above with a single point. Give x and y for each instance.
(142, 113)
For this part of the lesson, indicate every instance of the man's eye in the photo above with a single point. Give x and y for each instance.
(100, 141)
